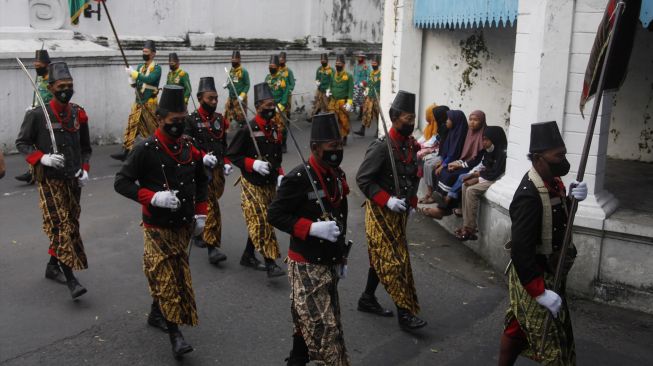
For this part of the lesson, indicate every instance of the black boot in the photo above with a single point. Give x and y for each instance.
(408, 321)
(249, 260)
(27, 178)
(369, 304)
(284, 147)
(344, 141)
(216, 256)
(122, 156)
(76, 289)
(53, 272)
(179, 345)
(299, 353)
(198, 241)
(360, 132)
(273, 269)
(155, 317)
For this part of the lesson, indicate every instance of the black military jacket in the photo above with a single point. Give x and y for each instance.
(269, 141)
(295, 208)
(70, 132)
(526, 215)
(184, 172)
(375, 176)
(209, 136)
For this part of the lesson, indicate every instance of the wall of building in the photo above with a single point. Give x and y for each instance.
(468, 69)
(288, 20)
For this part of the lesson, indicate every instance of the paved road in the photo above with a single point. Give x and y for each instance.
(244, 317)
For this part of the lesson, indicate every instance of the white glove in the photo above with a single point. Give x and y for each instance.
(240, 98)
(166, 199)
(551, 301)
(328, 93)
(82, 177)
(279, 179)
(56, 161)
(228, 169)
(224, 86)
(200, 221)
(130, 81)
(348, 107)
(29, 108)
(129, 70)
(579, 190)
(209, 160)
(261, 167)
(366, 91)
(396, 205)
(317, 83)
(327, 230)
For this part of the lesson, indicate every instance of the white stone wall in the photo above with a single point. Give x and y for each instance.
(360, 20)
(488, 88)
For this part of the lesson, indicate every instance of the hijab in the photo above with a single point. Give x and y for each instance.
(453, 144)
(474, 139)
(431, 128)
(440, 115)
(497, 136)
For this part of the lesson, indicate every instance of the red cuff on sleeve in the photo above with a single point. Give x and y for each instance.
(301, 228)
(535, 288)
(201, 208)
(281, 171)
(35, 157)
(413, 202)
(145, 196)
(227, 161)
(82, 117)
(87, 167)
(249, 165)
(197, 155)
(381, 198)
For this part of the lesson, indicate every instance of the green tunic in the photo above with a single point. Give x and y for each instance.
(279, 86)
(324, 75)
(42, 85)
(361, 73)
(342, 85)
(290, 77)
(181, 78)
(374, 83)
(147, 81)
(240, 77)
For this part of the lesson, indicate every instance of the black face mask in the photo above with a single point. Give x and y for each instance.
(174, 67)
(235, 64)
(175, 129)
(268, 113)
(282, 64)
(559, 169)
(273, 70)
(146, 57)
(375, 67)
(324, 64)
(41, 71)
(339, 68)
(332, 158)
(406, 130)
(64, 96)
(208, 108)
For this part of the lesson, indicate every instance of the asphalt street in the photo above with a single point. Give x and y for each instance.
(244, 318)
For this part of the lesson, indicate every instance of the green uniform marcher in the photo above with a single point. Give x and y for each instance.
(342, 86)
(240, 77)
(42, 85)
(180, 77)
(147, 81)
(324, 75)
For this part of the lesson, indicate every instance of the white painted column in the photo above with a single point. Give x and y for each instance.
(401, 55)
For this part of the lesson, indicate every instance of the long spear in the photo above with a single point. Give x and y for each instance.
(388, 143)
(583, 163)
(251, 132)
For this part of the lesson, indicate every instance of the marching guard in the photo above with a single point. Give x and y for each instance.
(287, 73)
(371, 104)
(240, 78)
(340, 96)
(323, 76)
(178, 76)
(280, 88)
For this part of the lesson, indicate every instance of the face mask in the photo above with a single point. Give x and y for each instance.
(208, 108)
(324, 64)
(175, 129)
(282, 64)
(64, 96)
(173, 67)
(273, 70)
(146, 57)
(41, 71)
(406, 130)
(559, 169)
(235, 64)
(268, 113)
(375, 67)
(490, 149)
(339, 68)
(332, 158)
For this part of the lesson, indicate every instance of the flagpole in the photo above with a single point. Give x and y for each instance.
(618, 12)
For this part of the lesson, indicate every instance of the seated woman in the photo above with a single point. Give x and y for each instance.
(428, 155)
(452, 145)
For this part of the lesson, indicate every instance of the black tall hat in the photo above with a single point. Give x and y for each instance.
(325, 128)
(172, 99)
(262, 92)
(377, 59)
(235, 55)
(206, 84)
(150, 45)
(404, 101)
(324, 57)
(274, 59)
(545, 136)
(282, 54)
(173, 57)
(43, 56)
(58, 71)
(340, 58)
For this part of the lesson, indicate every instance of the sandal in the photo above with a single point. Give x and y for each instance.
(435, 213)
(426, 200)
(458, 212)
(465, 235)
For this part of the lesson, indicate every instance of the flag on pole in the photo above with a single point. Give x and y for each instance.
(623, 44)
(76, 9)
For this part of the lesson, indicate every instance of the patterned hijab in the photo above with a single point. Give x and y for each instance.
(453, 144)
(474, 139)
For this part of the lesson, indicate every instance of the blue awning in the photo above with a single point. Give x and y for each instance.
(646, 13)
(464, 14)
